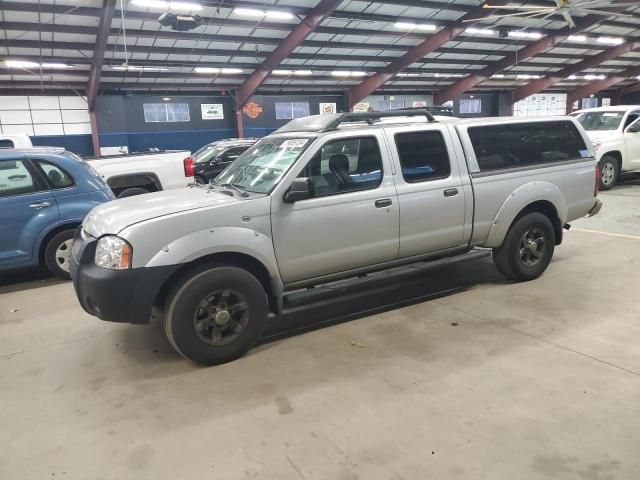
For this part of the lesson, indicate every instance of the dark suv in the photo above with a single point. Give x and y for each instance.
(211, 159)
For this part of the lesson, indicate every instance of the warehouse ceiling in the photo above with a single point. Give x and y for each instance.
(55, 45)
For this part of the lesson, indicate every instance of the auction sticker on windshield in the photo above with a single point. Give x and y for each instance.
(294, 143)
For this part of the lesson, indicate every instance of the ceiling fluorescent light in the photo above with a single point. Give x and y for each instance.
(248, 12)
(358, 74)
(303, 72)
(206, 70)
(571, 77)
(56, 65)
(231, 71)
(412, 26)
(404, 74)
(480, 31)
(282, 72)
(343, 73)
(161, 4)
(138, 68)
(526, 76)
(426, 27)
(529, 35)
(21, 64)
(591, 76)
(610, 40)
(279, 15)
(577, 38)
(404, 25)
(498, 75)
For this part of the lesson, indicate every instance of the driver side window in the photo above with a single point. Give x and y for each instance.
(345, 165)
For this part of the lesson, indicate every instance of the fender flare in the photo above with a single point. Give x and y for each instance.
(209, 241)
(518, 200)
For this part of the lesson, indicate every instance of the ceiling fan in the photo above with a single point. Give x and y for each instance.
(562, 7)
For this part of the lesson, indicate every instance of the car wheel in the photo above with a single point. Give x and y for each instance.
(608, 172)
(57, 254)
(216, 315)
(527, 249)
(200, 180)
(130, 192)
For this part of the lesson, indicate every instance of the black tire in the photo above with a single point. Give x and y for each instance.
(185, 315)
(200, 180)
(609, 172)
(517, 258)
(58, 248)
(130, 192)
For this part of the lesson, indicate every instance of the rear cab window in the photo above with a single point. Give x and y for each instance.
(509, 146)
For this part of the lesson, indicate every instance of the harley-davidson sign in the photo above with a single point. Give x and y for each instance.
(252, 110)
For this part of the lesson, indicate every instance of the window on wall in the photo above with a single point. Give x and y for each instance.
(166, 112)
(470, 105)
(591, 102)
(291, 110)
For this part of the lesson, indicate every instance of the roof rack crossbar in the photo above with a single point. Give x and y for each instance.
(371, 117)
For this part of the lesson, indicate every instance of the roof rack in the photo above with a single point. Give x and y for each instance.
(372, 117)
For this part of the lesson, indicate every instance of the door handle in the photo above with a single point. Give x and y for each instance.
(384, 202)
(450, 192)
(17, 177)
(40, 205)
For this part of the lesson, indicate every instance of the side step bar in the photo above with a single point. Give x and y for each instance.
(374, 280)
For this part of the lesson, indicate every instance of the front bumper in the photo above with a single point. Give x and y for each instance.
(115, 295)
(596, 208)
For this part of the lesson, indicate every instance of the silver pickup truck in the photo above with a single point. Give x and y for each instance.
(325, 198)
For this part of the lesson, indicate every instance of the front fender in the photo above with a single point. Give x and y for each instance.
(219, 240)
(518, 200)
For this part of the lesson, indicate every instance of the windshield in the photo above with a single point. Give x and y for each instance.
(600, 120)
(260, 168)
(206, 153)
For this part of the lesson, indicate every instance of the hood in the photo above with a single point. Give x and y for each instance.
(113, 217)
(603, 135)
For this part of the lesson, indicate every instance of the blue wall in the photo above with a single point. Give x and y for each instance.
(80, 144)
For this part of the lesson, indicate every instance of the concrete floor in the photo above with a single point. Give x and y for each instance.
(488, 380)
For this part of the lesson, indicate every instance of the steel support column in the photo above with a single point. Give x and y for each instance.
(95, 139)
(293, 40)
(452, 91)
(104, 27)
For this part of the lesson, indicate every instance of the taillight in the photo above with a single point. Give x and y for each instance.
(188, 167)
(596, 189)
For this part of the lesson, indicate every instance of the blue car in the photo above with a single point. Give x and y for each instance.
(45, 193)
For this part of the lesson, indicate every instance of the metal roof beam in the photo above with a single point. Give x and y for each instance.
(599, 85)
(531, 50)
(543, 83)
(104, 27)
(414, 54)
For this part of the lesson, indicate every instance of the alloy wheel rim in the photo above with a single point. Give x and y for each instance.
(533, 245)
(608, 172)
(221, 317)
(63, 255)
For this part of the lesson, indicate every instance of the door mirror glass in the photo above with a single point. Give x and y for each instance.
(300, 189)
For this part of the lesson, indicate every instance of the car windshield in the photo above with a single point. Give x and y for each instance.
(261, 167)
(600, 120)
(206, 153)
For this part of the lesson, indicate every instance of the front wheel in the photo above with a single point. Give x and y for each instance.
(216, 314)
(527, 249)
(57, 254)
(609, 172)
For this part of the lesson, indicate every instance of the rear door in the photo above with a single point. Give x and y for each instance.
(434, 200)
(27, 208)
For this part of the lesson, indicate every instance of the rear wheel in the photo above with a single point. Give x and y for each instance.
(57, 254)
(609, 172)
(199, 180)
(216, 314)
(527, 249)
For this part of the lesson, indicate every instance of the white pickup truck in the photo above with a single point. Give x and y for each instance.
(615, 135)
(131, 174)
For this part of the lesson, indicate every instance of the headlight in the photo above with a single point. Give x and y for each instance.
(596, 145)
(114, 253)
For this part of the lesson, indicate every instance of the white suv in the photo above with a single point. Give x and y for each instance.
(615, 134)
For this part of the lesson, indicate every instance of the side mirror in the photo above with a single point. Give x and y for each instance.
(300, 189)
(634, 128)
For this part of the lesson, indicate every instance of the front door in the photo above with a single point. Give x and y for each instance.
(632, 143)
(27, 207)
(352, 220)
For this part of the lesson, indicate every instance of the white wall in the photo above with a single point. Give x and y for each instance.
(44, 115)
(541, 105)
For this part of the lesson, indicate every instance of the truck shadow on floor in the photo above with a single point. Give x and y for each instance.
(26, 279)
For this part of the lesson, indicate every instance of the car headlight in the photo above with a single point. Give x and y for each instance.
(596, 145)
(114, 253)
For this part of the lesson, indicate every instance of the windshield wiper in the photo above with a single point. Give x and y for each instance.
(235, 187)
